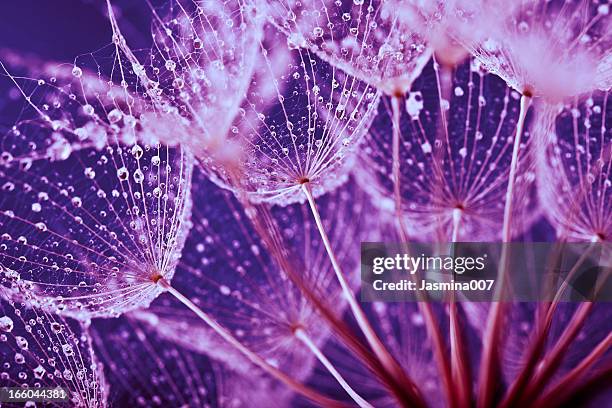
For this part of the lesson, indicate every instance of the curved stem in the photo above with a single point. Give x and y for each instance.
(399, 384)
(552, 360)
(304, 338)
(506, 232)
(570, 382)
(248, 353)
(377, 346)
(490, 365)
(396, 169)
(425, 308)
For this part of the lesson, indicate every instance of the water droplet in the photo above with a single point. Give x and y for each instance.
(36, 207)
(137, 151)
(170, 65)
(89, 173)
(6, 324)
(77, 72)
(178, 83)
(19, 358)
(68, 350)
(603, 9)
(88, 109)
(426, 147)
(122, 173)
(39, 372)
(115, 116)
(21, 342)
(138, 176)
(414, 104)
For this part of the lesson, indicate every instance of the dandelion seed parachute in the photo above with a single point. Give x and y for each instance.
(39, 349)
(269, 115)
(461, 172)
(366, 39)
(145, 369)
(552, 49)
(574, 165)
(200, 66)
(93, 206)
(255, 286)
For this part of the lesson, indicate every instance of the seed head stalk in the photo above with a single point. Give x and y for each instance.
(377, 346)
(301, 335)
(425, 308)
(527, 384)
(490, 365)
(396, 168)
(402, 387)
(248, 353)
(570, 382)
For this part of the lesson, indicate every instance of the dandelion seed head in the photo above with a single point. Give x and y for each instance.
(34, 354)
(455, 159)
(255, 287)
(300, 120)
(367, 40)
(574, 161)
(134, 353)
(549, 49)
(102, 218)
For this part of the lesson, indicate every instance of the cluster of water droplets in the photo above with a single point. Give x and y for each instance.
(38, 349)
(367, 39)
(574, 166)
(261, 272)
(553, 49)
(454, 156)
(93, 206)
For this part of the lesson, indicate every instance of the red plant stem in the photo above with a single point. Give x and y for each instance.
(537, 349)
(377, 346)
(403, 388)
(490, 364)
(569, 384)
(431, 323)
(553, 359)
